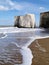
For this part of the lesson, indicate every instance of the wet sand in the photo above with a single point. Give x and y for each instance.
(40, 51)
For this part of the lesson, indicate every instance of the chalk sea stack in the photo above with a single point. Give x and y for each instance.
(44, 20)
(26, 21)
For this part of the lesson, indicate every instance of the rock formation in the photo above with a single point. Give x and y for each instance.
(27, 21)
(44, 20)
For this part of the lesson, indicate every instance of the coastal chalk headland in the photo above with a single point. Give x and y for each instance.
(44, 20)
(26, 21)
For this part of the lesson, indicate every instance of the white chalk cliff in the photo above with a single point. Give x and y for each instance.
(26, 21)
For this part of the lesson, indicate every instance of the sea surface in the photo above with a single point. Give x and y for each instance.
(14, 44)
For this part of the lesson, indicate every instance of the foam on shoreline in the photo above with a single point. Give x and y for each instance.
(27, 56)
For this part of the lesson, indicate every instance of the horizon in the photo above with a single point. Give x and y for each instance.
(11, 8)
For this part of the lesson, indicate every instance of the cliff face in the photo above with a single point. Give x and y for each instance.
(27, 21)
(44, 20)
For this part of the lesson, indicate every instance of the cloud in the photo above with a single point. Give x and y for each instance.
(14, 5)
(20, 6)
(42, 8)
(3, 8)
(9, 5)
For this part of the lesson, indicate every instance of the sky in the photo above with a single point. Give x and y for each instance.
(11, 8)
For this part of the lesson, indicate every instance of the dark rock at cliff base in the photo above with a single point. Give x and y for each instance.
(26, 21)
(44, 20)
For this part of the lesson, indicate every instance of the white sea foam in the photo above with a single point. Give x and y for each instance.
(15, 29)
(3, 35)
(27, 56)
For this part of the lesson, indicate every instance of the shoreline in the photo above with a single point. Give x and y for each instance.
(33, 45)
(40, 57)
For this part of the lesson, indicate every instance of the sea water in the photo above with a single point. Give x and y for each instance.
(21, 38)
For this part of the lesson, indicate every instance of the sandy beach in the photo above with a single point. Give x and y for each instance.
(40, 51)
